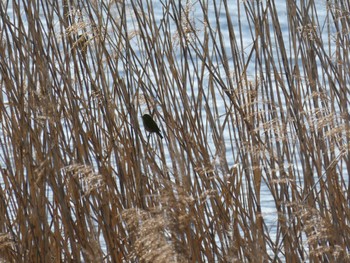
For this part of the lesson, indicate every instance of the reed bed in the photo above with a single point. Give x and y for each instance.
(253, 105)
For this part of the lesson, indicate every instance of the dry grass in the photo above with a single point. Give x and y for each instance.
(253, 104)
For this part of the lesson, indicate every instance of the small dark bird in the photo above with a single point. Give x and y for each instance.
(151, 125)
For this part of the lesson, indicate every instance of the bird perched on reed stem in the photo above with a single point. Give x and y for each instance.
(150, 125)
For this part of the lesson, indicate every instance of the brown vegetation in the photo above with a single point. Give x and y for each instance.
(251, 101)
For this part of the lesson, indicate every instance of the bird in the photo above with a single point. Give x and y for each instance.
(150, 125)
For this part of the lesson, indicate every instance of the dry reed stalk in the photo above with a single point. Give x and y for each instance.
(253, 106)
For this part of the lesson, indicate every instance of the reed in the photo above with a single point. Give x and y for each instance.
(253, 105)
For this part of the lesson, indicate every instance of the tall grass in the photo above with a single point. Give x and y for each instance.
(253, 104)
